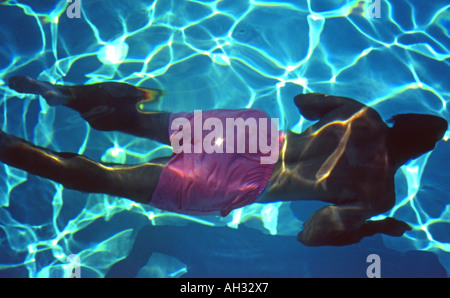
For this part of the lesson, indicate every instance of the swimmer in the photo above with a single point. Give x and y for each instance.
(347, 158)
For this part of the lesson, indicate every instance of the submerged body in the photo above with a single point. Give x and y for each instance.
(342, 159)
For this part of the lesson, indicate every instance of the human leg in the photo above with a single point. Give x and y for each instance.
(73, 171)
(109, 106)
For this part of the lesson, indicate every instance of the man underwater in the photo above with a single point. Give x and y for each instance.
(348, 158)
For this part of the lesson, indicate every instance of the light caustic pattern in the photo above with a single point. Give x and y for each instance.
(209, 54)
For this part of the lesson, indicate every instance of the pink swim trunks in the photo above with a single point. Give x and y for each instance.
(197, 181)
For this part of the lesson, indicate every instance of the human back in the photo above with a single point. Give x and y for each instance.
(340, 159)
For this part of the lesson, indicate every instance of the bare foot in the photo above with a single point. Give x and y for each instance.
(51, 93)
(6, 140)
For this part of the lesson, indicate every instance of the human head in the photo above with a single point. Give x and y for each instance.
(413, 135)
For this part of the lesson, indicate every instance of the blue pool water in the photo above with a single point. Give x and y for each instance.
(218, 54)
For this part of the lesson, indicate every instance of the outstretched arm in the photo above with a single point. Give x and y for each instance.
(314, 106)
(343, 225)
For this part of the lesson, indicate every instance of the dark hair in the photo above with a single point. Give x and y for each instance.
(414, 134)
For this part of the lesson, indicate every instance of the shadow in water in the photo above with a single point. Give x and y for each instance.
(223, 252)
